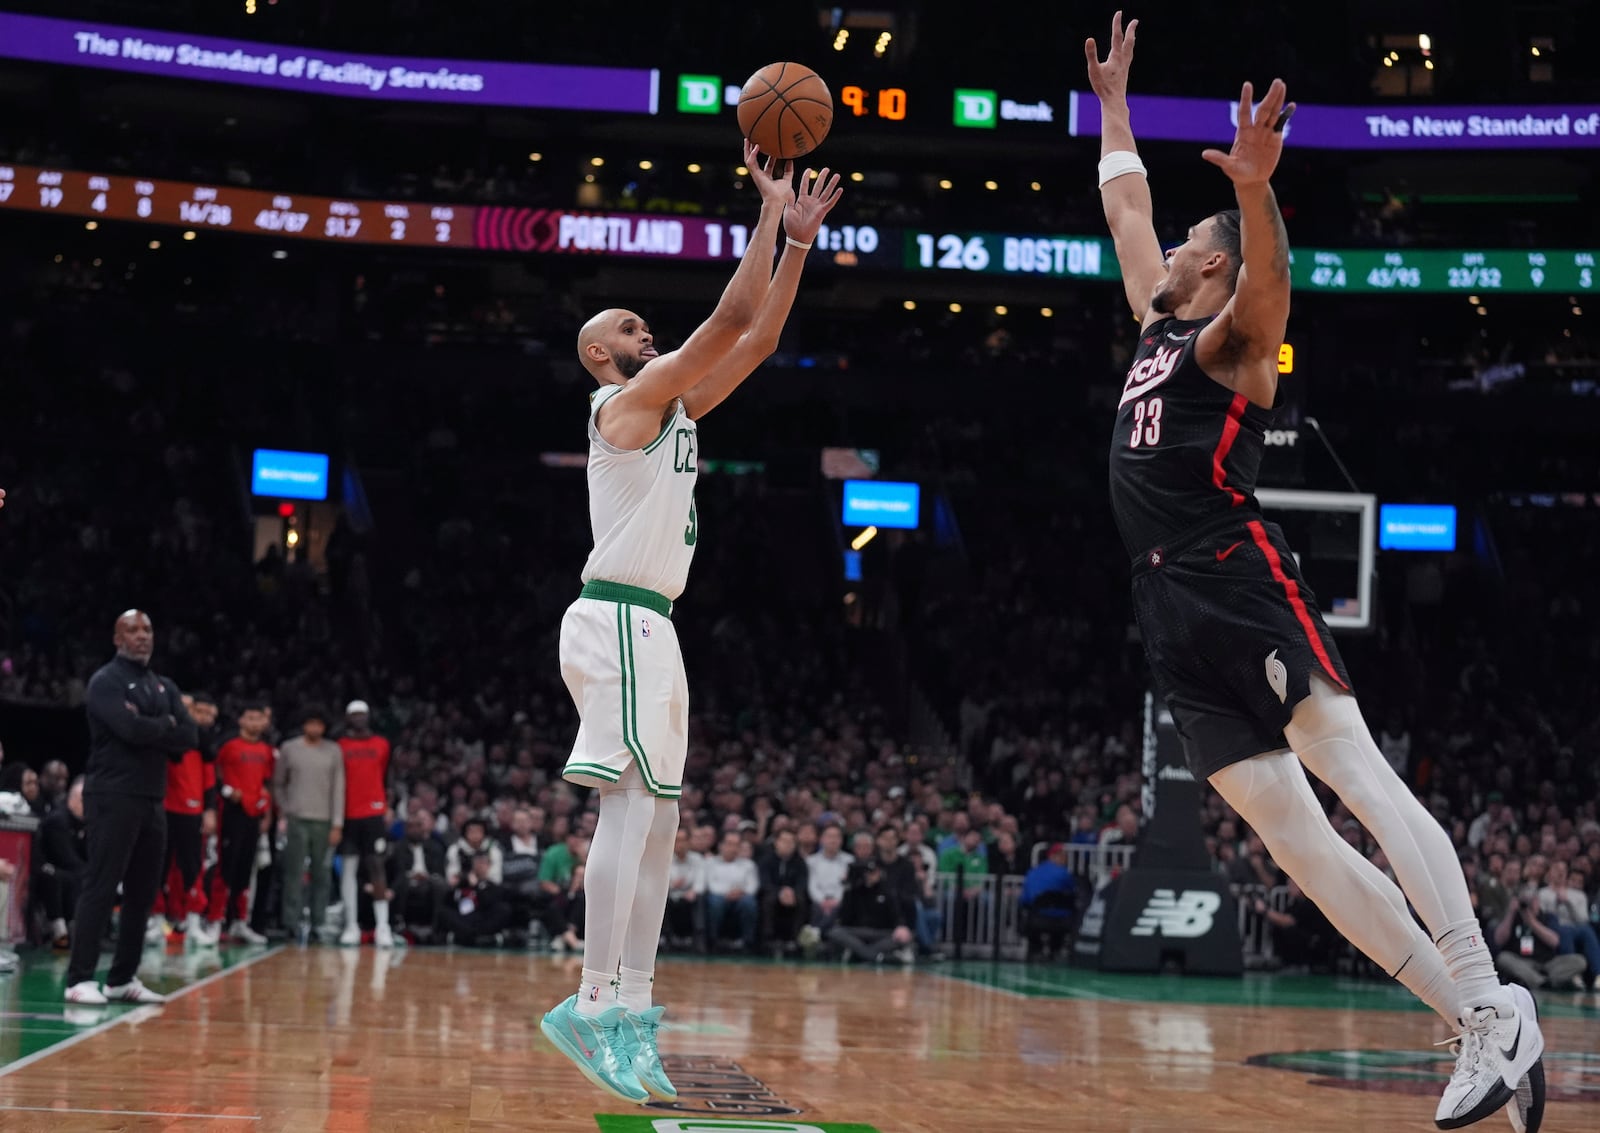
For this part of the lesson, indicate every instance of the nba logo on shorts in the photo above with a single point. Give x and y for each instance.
(644, 627)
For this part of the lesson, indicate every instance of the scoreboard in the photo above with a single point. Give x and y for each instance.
(545, 231)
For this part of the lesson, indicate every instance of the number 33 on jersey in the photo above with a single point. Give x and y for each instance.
(1185, 448)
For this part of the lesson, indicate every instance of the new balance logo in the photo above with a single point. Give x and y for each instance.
(1184, 916)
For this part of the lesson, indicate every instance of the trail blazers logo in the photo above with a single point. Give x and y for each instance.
(1278, 677)
(1182, 916)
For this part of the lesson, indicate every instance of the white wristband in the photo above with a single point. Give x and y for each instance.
(1120, 163)
(791, 241)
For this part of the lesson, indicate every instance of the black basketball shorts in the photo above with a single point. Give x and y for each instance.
(364, 837)
(1233, 636)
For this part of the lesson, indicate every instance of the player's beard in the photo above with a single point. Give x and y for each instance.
(628, 364)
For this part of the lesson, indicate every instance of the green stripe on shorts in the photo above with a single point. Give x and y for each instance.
(630, 697)
(594, 769)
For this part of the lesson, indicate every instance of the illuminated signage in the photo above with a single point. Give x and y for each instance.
(289, 475)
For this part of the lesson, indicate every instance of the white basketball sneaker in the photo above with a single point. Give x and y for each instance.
(196, 934)
(1526, 1111)
(87, 992)
(351, 936)
(133, 992)
(1497, 1046)
(383, 936)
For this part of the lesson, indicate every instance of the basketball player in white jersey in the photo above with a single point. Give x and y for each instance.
(619, 651)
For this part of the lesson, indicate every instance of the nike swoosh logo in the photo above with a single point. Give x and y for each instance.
(587, 1053)
(1511, 1054)
(1222, 555)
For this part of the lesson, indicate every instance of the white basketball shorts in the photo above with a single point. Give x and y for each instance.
(624, 669)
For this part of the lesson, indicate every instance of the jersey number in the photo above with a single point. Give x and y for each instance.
(1146, 423)
(691, 534)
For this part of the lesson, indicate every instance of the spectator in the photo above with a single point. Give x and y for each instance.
(415, 872)
(308, 782)
(916, 845)
(1487, 891)
(825, 873)
(53, 780)
(519, 867)
(1125, 831)
(731, 887)
(1005, 860)
(1569, 907)
(474, 842)
(1254, 867)
(477, 911)
(573, 902)
(556, 871)
(968, 863)
(785, 893)
(20, 779)
(1526, 943)
(875, 919)
(63, 856)
(686, 885)
(1049, 903)
(929, 917)
(1301, 935)
(1495, 819)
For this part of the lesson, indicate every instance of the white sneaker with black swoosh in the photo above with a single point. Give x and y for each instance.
(1497, 1046)
(1526, 1111)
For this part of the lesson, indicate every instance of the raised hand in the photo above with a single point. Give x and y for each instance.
(773, 179)
(816, 199)
(1258, 143)
(1110, 78)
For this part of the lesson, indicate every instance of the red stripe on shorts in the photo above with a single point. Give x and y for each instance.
(1291, 590)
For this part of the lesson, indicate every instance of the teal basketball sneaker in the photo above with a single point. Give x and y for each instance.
(639, 1033)
(598, 1047)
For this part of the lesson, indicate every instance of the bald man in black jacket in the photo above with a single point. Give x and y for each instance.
(136, 722)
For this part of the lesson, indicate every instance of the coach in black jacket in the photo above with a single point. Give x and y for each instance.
(136, 719)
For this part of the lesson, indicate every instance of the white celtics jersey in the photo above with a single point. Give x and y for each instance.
(641, 505)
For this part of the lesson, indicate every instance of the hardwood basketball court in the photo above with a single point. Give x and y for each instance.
(351, 1041)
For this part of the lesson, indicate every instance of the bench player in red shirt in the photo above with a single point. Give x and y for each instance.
(181, 902)
(366, 834)
(244, 768)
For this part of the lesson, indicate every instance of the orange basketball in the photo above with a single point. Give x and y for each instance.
(785, 109)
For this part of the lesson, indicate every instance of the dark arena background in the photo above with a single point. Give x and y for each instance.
(289, 293)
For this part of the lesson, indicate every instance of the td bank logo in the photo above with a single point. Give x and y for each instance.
(610, 1123)
(976, 108)
(699, 94)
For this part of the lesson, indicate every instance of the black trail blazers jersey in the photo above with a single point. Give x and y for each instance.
(1186, 450)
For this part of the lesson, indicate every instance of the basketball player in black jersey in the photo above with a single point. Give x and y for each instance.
(1235, 641)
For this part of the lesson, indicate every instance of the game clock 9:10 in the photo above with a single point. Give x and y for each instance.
(889, 102)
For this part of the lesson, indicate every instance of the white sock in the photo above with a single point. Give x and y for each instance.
(597, 994)
(380, 914)
(633, 992)
(58, 927)
(612, 873)
(1424, 975)
(1463, 949)
(1272, 794)
(348, 883)
(642, 939)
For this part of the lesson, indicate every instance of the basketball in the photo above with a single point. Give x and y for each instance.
(785, 109)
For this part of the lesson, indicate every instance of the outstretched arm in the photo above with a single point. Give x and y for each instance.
(801, 222)
(1240, 347)
(1124, 189)
(662, 380)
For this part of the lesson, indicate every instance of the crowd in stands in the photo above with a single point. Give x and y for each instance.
(819, 808)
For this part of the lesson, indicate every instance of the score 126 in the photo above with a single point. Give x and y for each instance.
(891, 102)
